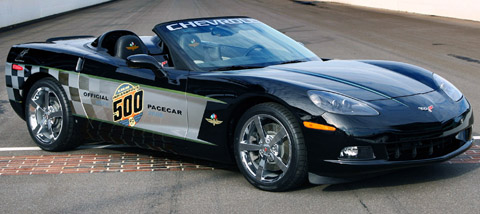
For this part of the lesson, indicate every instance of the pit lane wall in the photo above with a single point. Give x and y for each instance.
(460, 9)
(13, 12)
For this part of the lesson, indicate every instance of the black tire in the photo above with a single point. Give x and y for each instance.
(270, 171)
(57, 132)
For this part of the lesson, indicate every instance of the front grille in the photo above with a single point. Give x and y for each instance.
(424, 149)
(412, 131)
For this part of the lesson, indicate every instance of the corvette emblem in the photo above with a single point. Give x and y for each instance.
(213, 120)
(132, 46)
(429, 108)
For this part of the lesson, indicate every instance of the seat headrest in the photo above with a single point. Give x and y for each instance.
(129, 45)
(192, 45)
(189, 41)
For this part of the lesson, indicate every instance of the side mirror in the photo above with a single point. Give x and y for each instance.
(146, 61)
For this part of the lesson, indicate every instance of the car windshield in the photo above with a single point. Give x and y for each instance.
(233, 43)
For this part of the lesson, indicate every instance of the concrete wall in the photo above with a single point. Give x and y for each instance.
(461, 9)
(18, 11)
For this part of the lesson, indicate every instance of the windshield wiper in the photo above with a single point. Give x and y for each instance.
(292, 61)
(236, 67)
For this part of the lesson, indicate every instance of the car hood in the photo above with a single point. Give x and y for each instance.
(353, 78)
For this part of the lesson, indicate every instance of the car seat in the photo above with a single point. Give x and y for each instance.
(129, 45)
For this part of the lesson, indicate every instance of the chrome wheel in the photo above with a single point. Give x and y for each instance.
(45, 115)
(265, 148)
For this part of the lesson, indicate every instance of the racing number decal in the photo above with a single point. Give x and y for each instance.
(127, 104)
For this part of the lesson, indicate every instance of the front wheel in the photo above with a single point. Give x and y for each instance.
(49, 117)
(269, 148)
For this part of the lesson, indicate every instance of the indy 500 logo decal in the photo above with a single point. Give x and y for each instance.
(127, 104)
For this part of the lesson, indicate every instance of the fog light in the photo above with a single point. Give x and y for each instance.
(357, 153)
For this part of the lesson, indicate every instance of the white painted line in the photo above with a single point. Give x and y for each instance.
(104, 146)
(11, 149)
(476, 137)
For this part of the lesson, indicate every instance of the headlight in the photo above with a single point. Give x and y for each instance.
(448, 88)
(339, 104)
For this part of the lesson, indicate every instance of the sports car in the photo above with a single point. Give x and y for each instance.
(234, 90)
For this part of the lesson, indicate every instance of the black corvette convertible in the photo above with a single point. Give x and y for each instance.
(232, 89)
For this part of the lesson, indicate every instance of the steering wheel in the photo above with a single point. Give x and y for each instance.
(254, 48)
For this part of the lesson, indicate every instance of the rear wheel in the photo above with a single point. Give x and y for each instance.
(49, 117)
(269, 148)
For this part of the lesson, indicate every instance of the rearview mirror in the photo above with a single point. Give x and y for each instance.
(146, 61)
(221, 31)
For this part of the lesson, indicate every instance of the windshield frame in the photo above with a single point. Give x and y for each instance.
(175, 48)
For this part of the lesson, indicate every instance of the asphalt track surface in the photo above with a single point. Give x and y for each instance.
(446, 46)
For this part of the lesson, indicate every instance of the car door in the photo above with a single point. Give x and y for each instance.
(133, 105)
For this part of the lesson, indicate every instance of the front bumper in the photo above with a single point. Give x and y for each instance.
(352, 170)
(397, 143)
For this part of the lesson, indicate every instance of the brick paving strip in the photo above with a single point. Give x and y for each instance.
(129, 162)
(91, 163)
(470, 156)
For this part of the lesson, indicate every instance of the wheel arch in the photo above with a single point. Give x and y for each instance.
(241, 107)
(28, 85)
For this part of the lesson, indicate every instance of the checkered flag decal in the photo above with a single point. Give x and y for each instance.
(15, 81)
